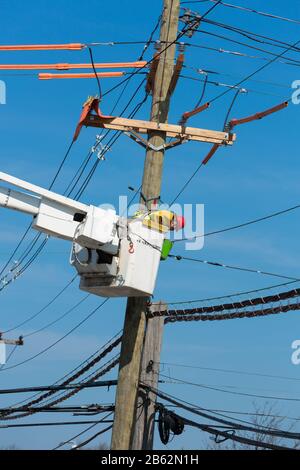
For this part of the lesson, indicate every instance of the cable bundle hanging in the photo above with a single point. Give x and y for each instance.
(229, 306)
(235, 315)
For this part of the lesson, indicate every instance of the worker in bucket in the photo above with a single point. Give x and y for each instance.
(161, 220)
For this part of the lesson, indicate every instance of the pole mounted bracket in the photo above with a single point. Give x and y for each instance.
(13, 342)
(146, 144)
(193, 20)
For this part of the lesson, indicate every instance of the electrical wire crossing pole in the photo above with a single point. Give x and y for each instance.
(135, 317)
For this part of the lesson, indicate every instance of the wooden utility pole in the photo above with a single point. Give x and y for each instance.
(145, 413)
(135, 317)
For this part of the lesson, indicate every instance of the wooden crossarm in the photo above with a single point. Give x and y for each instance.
(171, 130)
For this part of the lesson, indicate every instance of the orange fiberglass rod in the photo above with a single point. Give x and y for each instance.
(50, 76)
(44, 47)
(66, 66)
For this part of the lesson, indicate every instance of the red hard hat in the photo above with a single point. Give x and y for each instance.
(180, 222)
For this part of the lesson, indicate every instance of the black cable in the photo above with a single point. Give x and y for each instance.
(235, 294)
(203, 91)
(87, 441)
(112, 141)
(42, 309)
(231, 436)
(245, 224)
(237, 268)
(59, 340)
(9, 356)
(203, 414)
(16, 249)
(249, 35)
(249, 10)
(291, 60)
(186, 183)
(255, 72)
(232, 392)
(229, 371)
(56, 423)
(80, 434)
(150, 40)
(29, 226)
(95, 72)
(182, 33)
(218, 2)
(230, 109)
(53, 322)
(74, 374)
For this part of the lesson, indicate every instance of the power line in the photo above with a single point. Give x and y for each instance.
(229, 371)
(29, 227)
(237, 54)
(47, 424)
(56, 388)
(71, 376)
(250, 10)
(227, 266)
(95, 72)
(184, 317)
(82, 432)
(87, 441)
(226, 85)
(196, 410)
(27, 320)
(53, 322)
(232, 392)
(249, 35)
(89, 381)
(229, 296)
(74, 373)
(278, 297)
(58, 340)
(255, 72)
(292, 61)
(231, 436)
(244, 224)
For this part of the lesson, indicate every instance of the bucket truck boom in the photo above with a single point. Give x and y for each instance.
(114, 257)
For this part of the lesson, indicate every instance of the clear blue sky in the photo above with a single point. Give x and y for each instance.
(255, 177)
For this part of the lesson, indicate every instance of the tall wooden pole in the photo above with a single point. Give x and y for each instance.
(135, 317)
(146, 409)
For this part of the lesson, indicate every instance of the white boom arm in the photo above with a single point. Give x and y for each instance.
(53, 213)
(114, 257)
(58, 215)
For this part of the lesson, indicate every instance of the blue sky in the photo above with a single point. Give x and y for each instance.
(258, 175)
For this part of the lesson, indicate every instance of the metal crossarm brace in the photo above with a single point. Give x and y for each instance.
(146, 144)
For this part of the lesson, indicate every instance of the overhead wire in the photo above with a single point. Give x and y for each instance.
(242, 225)
(90, 439)
(232, 392)
(95, 72)
(83, 432)
(86, 318)
(247, 9)
(237, 268)
(195, 410)
(254, 36)
(239, 314)
(229, 371)
(278, 297)
(51, 423)
(35, 315)
(74, 373)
